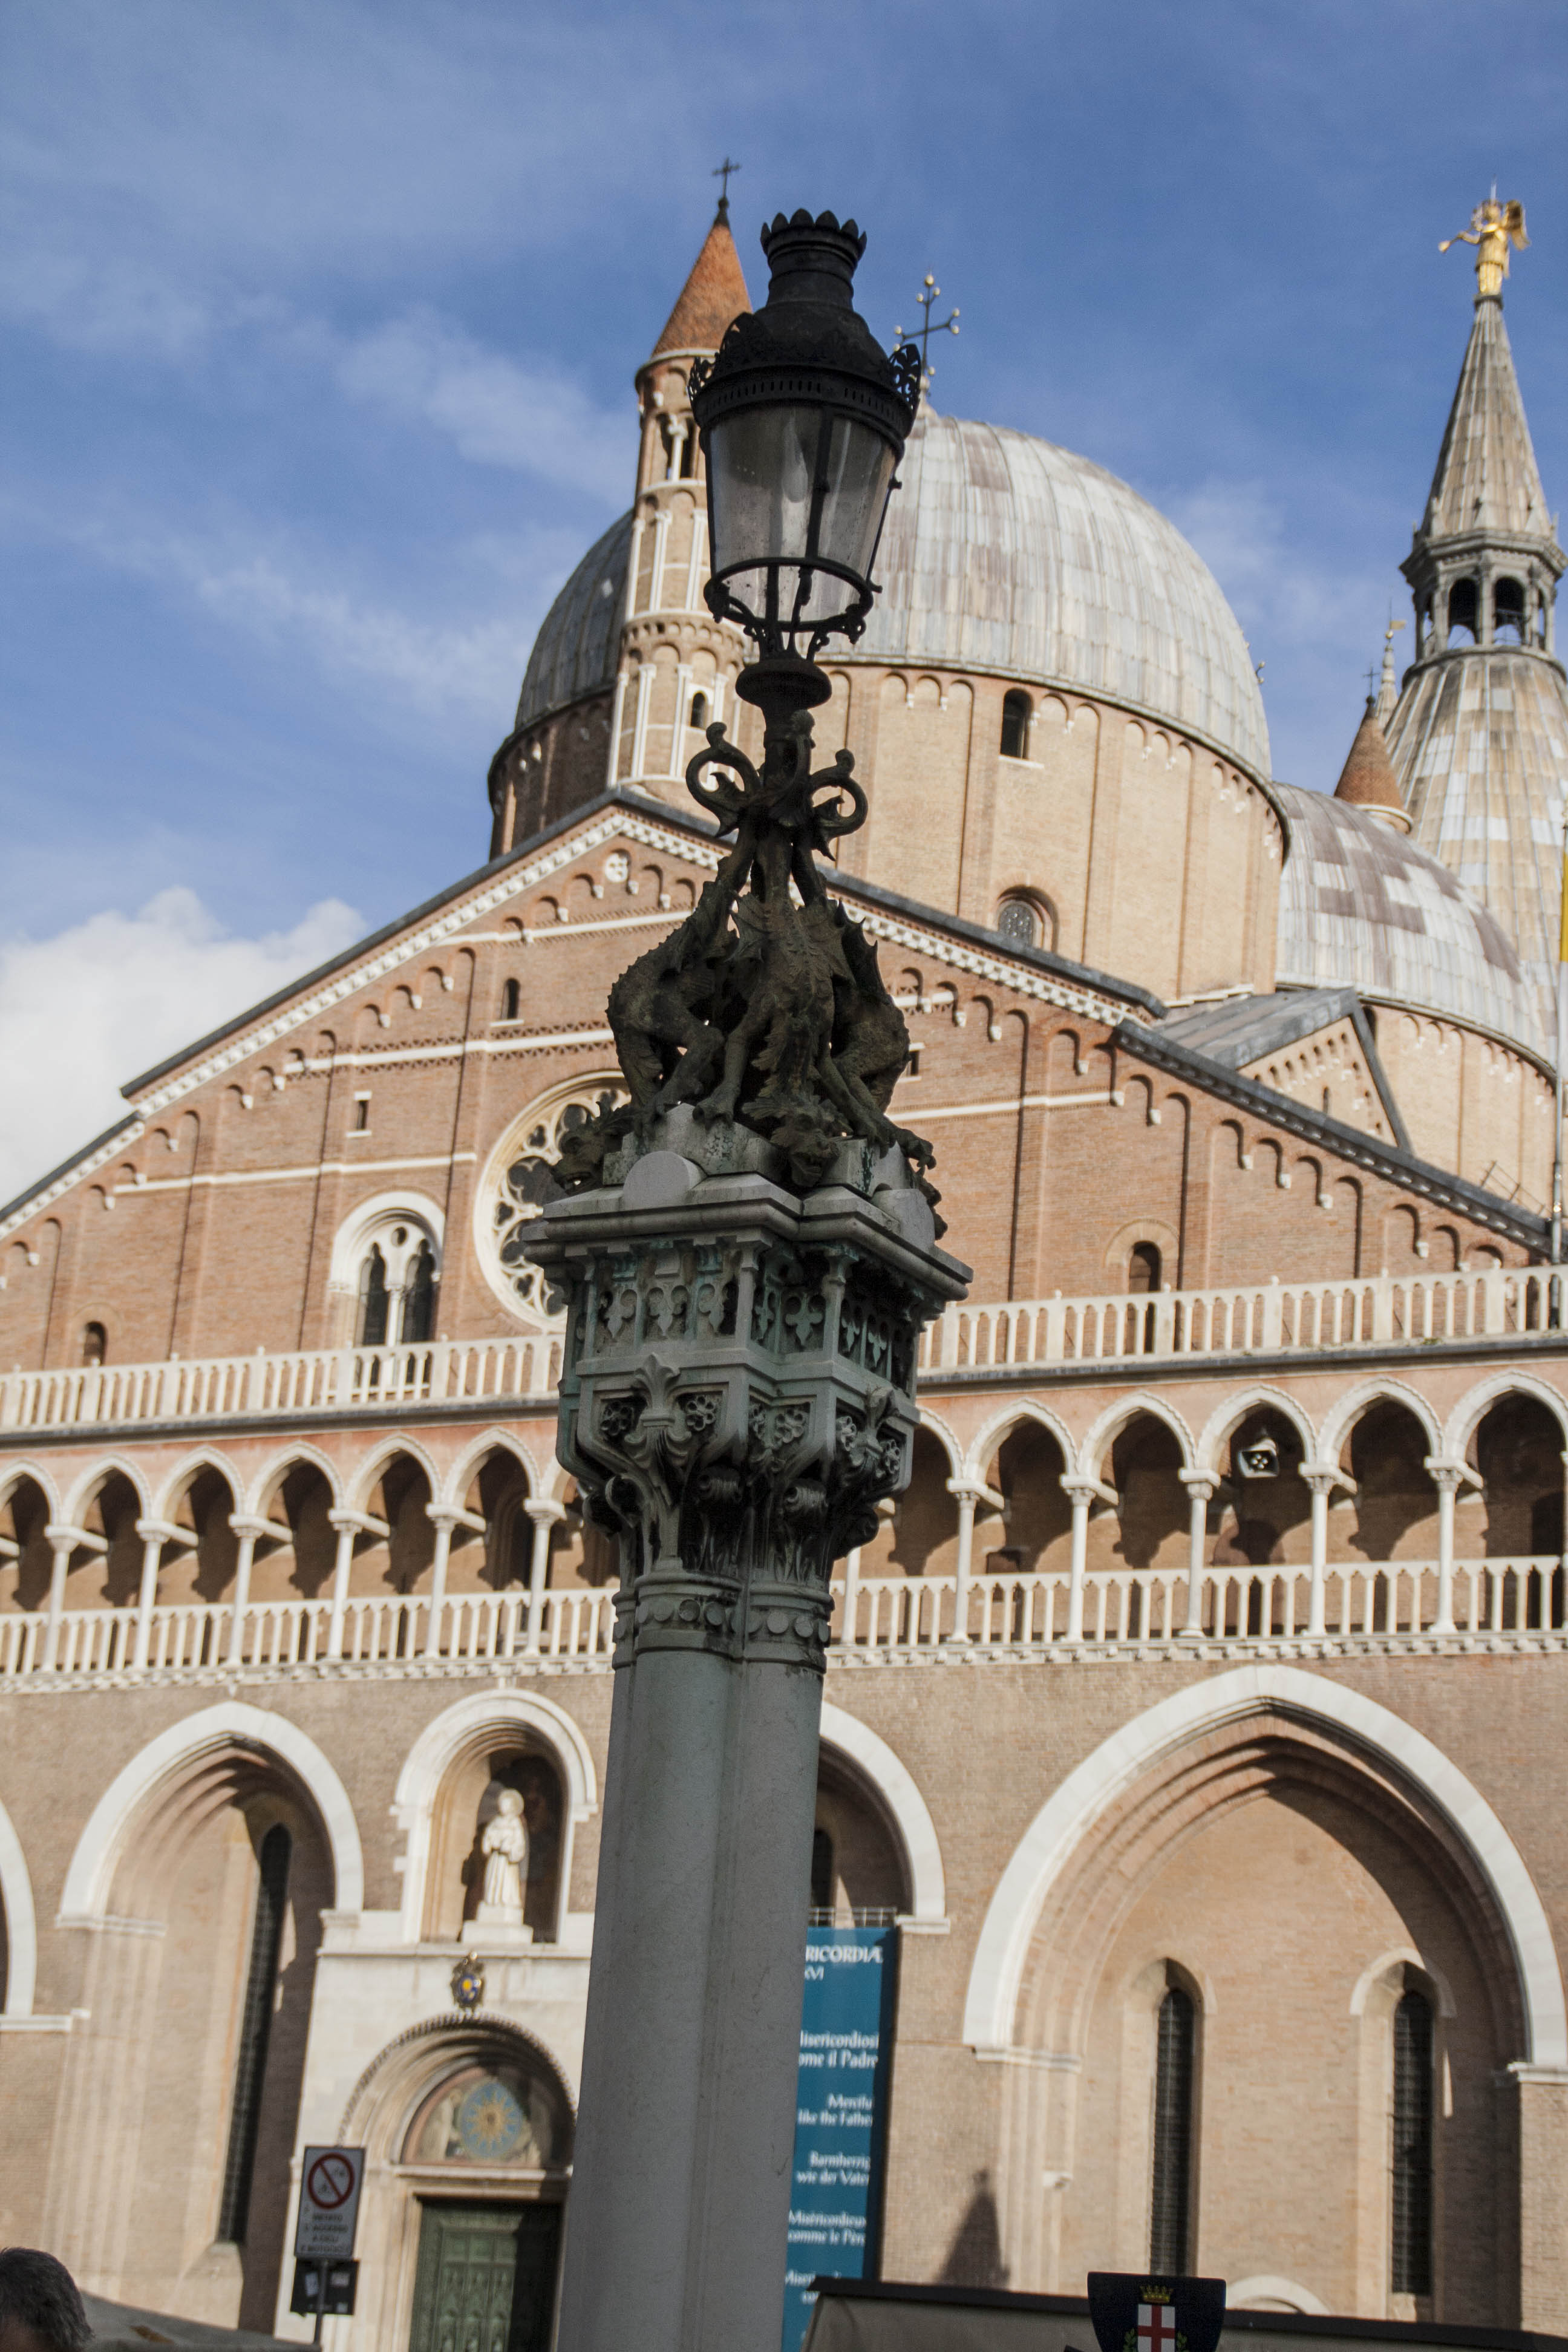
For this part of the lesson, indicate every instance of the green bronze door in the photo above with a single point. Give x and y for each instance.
(486, 2281)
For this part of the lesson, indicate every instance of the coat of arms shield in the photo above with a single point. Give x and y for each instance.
(1136, 2311)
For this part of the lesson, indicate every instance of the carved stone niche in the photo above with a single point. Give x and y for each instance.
(739, 1389)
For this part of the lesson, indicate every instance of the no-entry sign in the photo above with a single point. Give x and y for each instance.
(328, 2202)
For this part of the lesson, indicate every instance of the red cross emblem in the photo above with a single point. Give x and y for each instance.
(1156, 2327)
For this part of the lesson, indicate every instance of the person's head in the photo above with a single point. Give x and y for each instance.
(40, 2310)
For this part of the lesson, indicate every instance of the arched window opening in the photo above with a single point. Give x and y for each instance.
(1463, 608)
(1143, 1268)
(419, 1299)
(1508, 612)
(395, 1271)
(857, 1863)
(699, 710)
(1016, 712)
(1171, 2203)
(94, 1344)
(256, 2024)
(688, 453)
(373, 1300)
(1411, 2267)
(821, 1877)
(512, 1000)
(1018, 920)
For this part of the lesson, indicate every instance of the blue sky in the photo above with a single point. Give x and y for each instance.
(321, 322)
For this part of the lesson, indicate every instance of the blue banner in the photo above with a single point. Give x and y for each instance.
(841, 2113)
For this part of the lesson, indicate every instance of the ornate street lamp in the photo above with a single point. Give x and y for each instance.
(803, 419)
(749, 1252)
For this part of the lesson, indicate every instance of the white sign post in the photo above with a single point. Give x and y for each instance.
(329, 2184)
(328, 2202)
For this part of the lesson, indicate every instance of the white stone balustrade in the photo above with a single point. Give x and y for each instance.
(1252, 1318)
(1389, 1604)
(1380, 1312)
(262, 1386)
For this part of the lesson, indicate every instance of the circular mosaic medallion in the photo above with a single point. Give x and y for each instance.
(489, 2123)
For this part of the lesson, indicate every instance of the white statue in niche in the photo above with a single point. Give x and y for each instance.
(505, 1849)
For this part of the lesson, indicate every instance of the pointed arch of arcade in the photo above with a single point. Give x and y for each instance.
(460, 1476)
(362, 1484)
(89, 1485)
(935, 1426)
(1227, 1418)
(1020, 1413)
(443, 1742)
(264, 1490)
(1069, 1814)
(896, 1786)
(186, 1472)
(1118, 1417)
(217, 1729)
(1361, 1399)
(21, 1922)
(18, 1474)
(1473, 1408)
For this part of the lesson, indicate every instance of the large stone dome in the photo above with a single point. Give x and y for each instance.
(1006, 555)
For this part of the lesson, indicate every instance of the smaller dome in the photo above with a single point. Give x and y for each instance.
(575, 653)
(1362, 908)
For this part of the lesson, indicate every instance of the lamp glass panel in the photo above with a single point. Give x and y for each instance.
(762, 474)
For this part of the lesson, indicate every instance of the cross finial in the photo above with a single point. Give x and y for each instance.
(721, 172)
(928, 327)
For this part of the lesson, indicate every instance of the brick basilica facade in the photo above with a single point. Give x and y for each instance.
(1198, 1712)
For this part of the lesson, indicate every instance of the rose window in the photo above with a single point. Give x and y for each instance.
(522, 1181)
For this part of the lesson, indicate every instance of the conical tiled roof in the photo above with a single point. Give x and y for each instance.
(713, 294)
(1486, 478)
(1367, 778)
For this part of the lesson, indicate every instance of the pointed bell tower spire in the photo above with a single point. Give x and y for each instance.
(1367, 778)
(676, 661)
(1485, 700)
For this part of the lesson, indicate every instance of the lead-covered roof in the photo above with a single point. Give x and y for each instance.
(1362, 906)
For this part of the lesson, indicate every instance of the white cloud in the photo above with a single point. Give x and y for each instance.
(433, 665)
(108, 997)
(494, 412)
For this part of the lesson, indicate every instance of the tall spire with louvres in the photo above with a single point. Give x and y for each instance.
(1478, 737)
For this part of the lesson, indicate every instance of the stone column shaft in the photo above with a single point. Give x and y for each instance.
(1081, 1493)
(544, 1516)
(738, 1396)
(1200, 1493)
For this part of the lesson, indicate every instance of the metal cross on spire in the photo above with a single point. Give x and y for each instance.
(929, 327)
(721, 172)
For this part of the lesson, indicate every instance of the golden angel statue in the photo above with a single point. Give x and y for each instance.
(1492, 226)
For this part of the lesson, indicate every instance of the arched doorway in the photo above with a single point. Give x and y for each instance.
(468, 2128)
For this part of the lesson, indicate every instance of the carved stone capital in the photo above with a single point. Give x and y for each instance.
(737, 1399)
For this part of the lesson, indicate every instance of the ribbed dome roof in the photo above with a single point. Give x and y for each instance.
(1360, 907)
(1001, 553)
(575, 653)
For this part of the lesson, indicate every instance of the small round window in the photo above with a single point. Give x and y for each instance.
(519, 1180)
(492, 2115)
